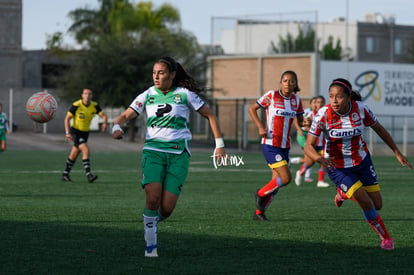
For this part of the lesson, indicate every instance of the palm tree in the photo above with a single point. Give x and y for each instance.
(119, 17)
(89, 24)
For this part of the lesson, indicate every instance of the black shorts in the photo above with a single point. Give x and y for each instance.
(79, 137)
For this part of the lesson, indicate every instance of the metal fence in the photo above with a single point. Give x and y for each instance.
(238, 129)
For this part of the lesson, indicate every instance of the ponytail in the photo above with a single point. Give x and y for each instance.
(182, 78)
(356, 96)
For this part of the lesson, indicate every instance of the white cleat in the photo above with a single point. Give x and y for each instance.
(151, 251)
(295, 160)
(322, 184)
(298, 179)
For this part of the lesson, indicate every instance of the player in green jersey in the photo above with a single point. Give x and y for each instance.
(4, 128)
(166, 149)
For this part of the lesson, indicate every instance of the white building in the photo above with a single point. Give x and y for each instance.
(376, 39)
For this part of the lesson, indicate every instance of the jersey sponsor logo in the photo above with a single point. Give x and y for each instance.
(335, 124)
(278, 158)
(150, 100)
(177, 99)
(279, 103)
(285, 113)
(163, 109)
(294, 102)
(319, 125)
(266, 101)
(161, 125)
(344, 132)
(356, 118)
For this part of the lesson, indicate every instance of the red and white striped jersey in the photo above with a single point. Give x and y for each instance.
(321, 139)
(344, 133)
(280, 112)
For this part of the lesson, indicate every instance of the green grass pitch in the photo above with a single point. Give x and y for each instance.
(51, 227)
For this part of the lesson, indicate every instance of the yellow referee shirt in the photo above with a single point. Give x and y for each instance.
(82, 114)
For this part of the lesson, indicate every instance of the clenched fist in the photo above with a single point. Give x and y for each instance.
(117, 132)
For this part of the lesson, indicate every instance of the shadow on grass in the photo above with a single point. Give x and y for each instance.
(58, 248)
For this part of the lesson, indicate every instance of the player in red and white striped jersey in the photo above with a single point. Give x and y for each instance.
(347, 158)
(281, 106)
(319, 147)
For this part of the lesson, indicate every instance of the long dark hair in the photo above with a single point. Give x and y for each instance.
(347, 87)
(182, 78)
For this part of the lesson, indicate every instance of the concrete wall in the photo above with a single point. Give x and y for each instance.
(240, 80)
(10, 43)
(251, 76)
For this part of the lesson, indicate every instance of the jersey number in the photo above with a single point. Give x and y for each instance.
(163, 109)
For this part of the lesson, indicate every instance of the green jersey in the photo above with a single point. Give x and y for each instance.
(167, 118)
(4, 123)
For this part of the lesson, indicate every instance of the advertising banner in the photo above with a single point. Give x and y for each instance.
(388, 89)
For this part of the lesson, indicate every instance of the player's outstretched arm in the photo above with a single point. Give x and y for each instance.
(215, 128)
(117, 132)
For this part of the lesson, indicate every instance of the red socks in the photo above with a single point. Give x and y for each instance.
(378, 225)
(321, 174)
(270, 187)
(302, 169)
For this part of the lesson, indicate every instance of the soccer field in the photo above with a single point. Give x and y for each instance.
(52, 227)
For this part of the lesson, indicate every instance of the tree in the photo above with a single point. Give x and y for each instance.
(54, 41)
(119, 68)
(143, 17)
(329, 52)
(120, 17)
(120, 53)
(89, 24)
(305, 42)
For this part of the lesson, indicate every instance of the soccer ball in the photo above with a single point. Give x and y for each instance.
(41, 107)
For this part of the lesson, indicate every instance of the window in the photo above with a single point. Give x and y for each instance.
(398, 46)
(371, 45)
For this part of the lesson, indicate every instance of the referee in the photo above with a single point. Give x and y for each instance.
(81, 113)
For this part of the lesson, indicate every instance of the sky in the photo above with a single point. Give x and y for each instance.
(45, 17)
